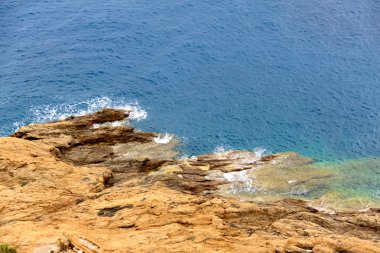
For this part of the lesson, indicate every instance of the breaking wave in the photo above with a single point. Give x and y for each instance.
(46, 113)
(163, 138)
(259, 151)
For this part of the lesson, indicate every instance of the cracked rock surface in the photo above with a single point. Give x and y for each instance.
(84, 185)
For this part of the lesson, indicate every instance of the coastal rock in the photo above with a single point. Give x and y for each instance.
(85, 185)
(96, 140)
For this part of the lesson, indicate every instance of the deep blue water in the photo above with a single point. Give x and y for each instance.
(283, 74)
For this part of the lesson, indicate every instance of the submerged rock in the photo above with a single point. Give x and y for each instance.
(85, 184)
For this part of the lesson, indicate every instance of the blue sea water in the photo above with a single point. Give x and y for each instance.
(286, 75)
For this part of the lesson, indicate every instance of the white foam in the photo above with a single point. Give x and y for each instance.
(220, 149)
(260, 152)
(62, 111)
(115, 123)
(241, 181)
(46, 113)
(184, 156)
(163, 138)
(138, 113)
(17, 125)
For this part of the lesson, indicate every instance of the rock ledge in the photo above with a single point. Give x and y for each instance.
(85, 184)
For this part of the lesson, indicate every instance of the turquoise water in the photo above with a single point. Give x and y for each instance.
(283, 74)
(329, 186)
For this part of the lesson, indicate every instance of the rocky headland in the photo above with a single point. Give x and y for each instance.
(88, 184)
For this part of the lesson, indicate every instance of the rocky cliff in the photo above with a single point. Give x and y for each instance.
(88, 184)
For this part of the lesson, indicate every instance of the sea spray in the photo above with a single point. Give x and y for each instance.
(48, 113)
(241, 182)
(163, 138)
(260, 152)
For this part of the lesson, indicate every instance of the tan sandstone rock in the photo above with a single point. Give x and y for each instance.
(57, 194)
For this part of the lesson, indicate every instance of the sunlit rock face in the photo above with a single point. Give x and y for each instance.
(85, 184)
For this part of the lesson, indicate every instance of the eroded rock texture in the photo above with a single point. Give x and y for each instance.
(84, 185)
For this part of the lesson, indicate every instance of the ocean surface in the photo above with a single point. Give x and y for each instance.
(284, 75)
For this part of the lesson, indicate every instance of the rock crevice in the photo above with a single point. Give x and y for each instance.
(85, 185)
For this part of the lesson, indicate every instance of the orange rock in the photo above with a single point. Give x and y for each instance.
(56, 196)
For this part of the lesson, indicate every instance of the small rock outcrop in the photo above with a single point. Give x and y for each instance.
(88, 184)
(92, 140)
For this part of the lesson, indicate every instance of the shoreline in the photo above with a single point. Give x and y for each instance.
(86, 184)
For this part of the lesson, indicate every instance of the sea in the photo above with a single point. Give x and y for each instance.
(279, 75)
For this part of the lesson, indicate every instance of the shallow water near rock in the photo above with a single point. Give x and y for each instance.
(343, 186)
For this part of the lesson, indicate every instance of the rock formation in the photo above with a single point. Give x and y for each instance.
(85, 184)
